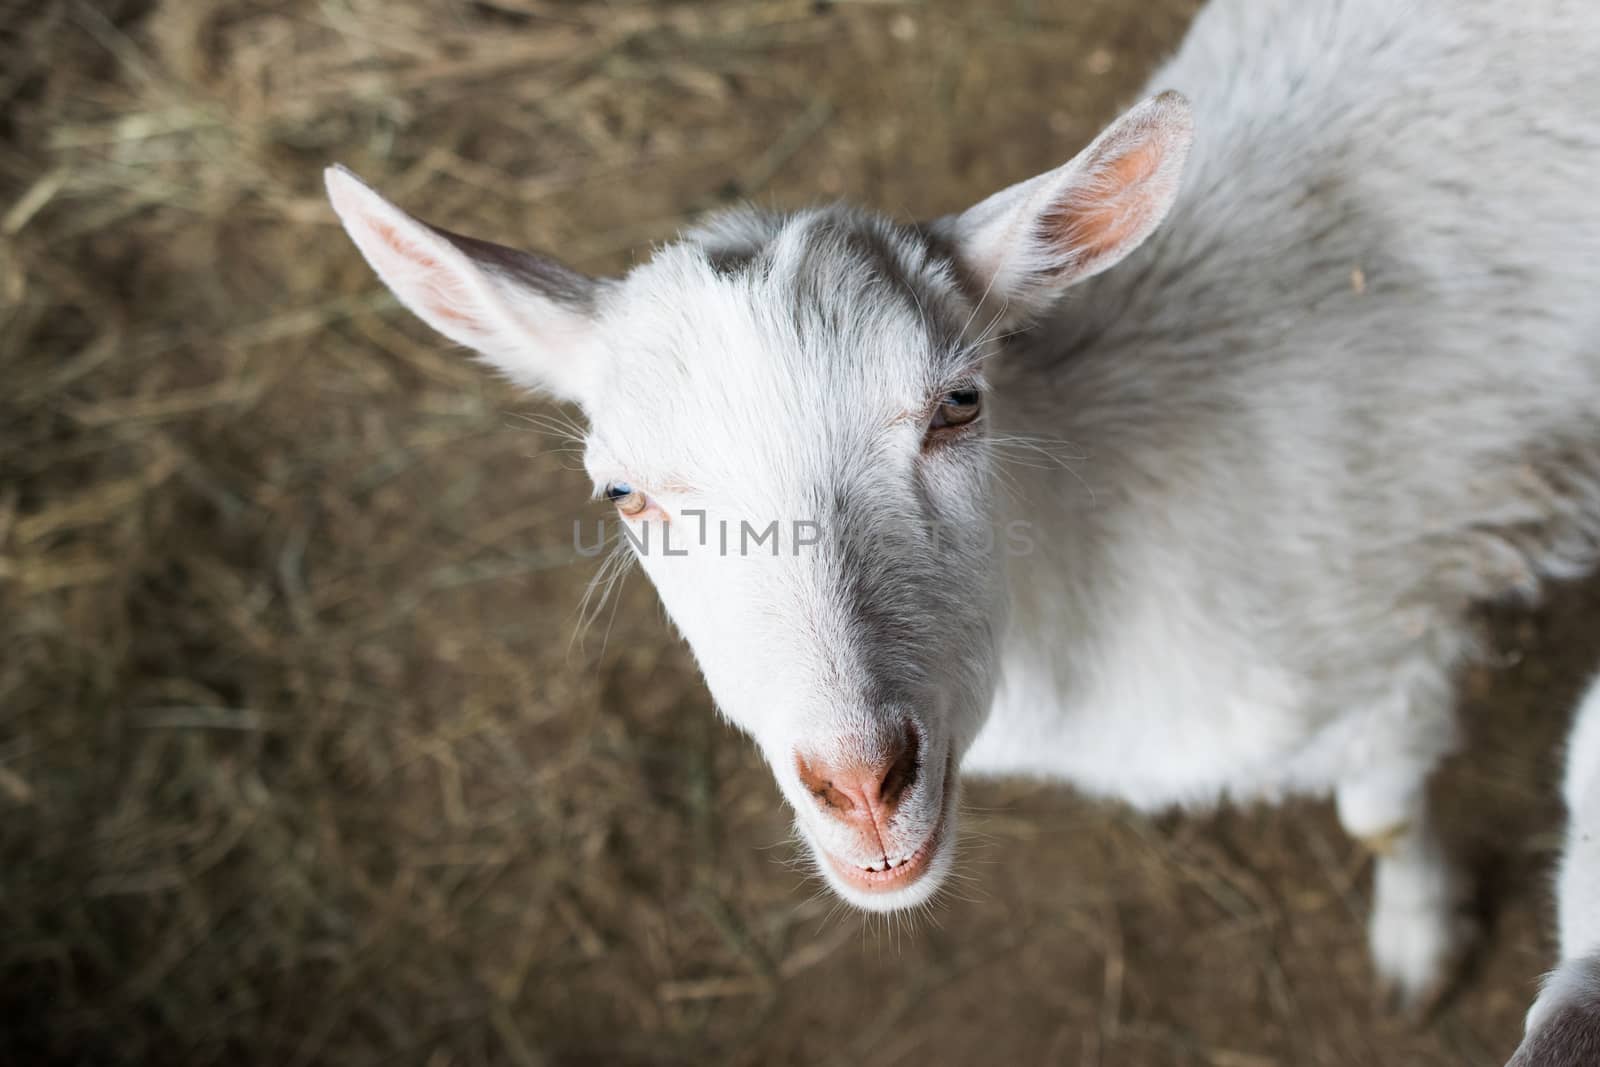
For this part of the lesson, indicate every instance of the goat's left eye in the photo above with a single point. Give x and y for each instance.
(628, 500)
(956, 408)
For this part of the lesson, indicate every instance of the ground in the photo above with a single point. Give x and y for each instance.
(302, 756)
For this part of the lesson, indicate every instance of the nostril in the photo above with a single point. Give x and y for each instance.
(818, 780)
(903, 767)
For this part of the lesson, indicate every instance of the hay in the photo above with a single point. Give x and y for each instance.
(300, 760)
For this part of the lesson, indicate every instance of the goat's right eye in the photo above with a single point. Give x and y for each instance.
(629, 501)
(955, 409)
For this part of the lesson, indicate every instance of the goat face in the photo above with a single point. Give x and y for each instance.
(798, 409)
(790, 414)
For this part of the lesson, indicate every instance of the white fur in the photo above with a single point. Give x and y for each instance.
(1578, 886)
(1263, 469)
(1567, 1010)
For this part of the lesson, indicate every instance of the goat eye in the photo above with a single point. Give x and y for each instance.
(956, 408)
(628, 500)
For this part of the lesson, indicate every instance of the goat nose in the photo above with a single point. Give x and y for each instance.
(865, 789)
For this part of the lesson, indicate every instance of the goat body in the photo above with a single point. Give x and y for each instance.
(1349, 389)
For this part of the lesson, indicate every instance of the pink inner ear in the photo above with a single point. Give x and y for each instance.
(419, 259)
(1113, 205)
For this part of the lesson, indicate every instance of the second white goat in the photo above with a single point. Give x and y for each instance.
(1563, 1027)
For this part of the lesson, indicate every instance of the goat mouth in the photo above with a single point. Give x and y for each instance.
(893, 872)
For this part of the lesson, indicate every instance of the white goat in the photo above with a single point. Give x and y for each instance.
(1564, 1023)
(1263, 470)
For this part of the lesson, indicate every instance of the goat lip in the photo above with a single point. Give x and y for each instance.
(897, 877)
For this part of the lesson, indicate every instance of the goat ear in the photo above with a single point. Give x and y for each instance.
(530, 317)
(1028, 243)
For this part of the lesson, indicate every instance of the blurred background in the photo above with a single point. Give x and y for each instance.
(302, 756)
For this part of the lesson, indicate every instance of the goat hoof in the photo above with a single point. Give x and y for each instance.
(1413, 1007)
(1384, 842)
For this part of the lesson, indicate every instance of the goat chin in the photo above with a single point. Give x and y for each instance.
(928, 867)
